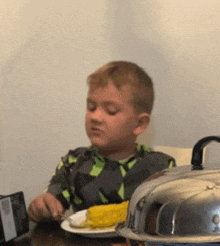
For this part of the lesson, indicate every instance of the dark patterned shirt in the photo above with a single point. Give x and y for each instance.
(84, 178)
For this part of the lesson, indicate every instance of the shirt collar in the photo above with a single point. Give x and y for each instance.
(139, 148)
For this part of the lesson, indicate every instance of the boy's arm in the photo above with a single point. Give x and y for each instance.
(52, 203)
(56, 198)
(59, 185)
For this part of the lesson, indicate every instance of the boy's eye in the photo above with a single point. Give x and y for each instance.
(111, 110)
(91, 106)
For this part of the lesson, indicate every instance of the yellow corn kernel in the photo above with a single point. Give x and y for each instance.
(106, 215)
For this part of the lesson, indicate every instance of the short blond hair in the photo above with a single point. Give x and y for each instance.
(121, 73)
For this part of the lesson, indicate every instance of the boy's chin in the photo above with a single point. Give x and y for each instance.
(98, 143)
(101, 147)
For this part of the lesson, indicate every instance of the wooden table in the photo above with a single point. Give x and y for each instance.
(51, 234)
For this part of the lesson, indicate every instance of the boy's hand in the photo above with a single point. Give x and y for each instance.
(45, 206)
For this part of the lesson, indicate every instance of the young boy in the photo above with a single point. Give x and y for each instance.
(119, 104)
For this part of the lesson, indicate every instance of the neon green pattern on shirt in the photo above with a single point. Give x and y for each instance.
(72, 159)
(66, 194)
(171, 164)
(123, 172)
(60, 165)
(97, 167)
(121, 191)
(104, 199)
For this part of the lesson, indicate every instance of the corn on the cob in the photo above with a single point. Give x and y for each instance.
(106, 215)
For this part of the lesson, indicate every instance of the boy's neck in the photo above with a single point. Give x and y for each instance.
(120, 154)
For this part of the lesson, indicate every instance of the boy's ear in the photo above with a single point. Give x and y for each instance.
(143, 122)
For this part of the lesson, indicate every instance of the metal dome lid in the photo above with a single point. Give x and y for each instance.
(177, 205)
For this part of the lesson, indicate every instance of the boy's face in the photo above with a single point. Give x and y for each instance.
(111, 117)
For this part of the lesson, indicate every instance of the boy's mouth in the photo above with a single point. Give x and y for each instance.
(96, 130)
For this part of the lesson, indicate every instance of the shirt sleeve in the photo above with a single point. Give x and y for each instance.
(59, 184)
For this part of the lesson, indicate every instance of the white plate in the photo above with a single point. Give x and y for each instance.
(80, 217)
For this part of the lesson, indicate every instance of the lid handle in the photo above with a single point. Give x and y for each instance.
(197, 152)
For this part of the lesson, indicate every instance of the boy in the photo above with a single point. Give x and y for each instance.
(119, 104)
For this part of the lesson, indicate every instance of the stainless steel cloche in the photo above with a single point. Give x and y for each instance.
(177, 205)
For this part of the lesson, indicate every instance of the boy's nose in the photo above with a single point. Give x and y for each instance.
(97, 115)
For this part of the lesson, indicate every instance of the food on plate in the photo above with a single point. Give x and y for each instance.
(105, 215)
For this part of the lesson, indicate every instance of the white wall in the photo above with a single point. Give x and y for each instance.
(49, 47)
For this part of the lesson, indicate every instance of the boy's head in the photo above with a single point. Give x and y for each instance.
(119, 104)
(122, 73)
